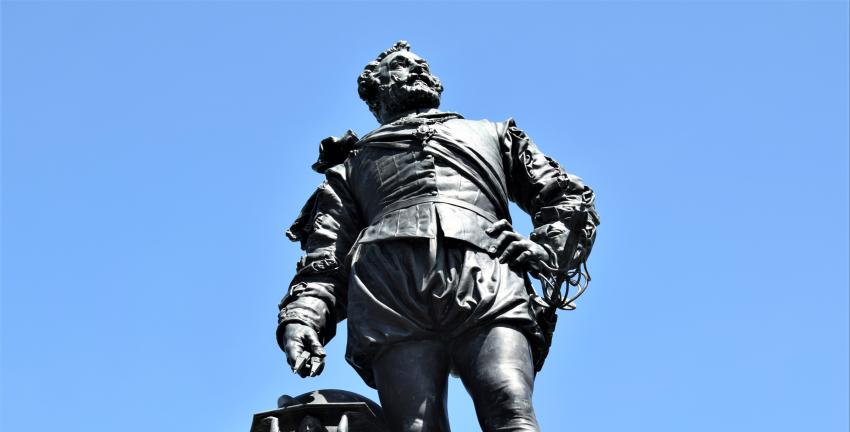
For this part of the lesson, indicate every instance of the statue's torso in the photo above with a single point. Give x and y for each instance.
(402, 163)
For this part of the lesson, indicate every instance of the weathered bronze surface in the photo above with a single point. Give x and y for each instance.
(321, 411)
(410, 239)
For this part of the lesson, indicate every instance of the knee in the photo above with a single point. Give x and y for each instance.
(508, 409)
(510, 416)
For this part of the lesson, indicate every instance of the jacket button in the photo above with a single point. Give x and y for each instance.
(492, 249)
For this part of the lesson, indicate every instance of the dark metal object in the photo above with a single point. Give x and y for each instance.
(322, 411)
(334, 151)
(410, 239)
(574, 274)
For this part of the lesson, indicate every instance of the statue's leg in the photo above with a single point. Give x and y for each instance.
(497, 370)
(412, 380)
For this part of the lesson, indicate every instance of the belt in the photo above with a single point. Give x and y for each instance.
(398, 205)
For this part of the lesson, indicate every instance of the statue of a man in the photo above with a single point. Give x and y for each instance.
(409, 237)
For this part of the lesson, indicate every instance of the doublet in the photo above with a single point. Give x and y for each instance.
(403, 166)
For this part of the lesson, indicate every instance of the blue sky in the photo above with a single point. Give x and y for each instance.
(154, 153)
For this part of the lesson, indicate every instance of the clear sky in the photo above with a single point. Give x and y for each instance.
(154, 153)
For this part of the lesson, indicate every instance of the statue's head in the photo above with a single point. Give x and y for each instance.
(398, 81)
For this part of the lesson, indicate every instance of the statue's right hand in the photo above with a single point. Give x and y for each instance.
(304, 352)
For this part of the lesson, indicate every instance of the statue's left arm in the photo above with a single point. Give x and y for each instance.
(558, 202)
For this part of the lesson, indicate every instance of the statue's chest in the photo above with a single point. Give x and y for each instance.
(401, 158)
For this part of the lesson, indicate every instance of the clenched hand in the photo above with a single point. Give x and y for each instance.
(304, 352)
(515, 249)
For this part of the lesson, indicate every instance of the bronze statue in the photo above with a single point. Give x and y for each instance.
(409, 237)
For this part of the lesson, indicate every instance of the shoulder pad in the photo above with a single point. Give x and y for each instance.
(334, 151)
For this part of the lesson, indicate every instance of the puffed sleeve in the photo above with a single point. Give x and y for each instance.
(327, 228)
(558, 202)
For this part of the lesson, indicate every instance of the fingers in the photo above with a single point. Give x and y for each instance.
(312, 341)
(510, 243)
(513, 250)
(524, 253)
(317, 364)
(304, 352)
(504, 239)
(300, 364)
(504, 233)
(293, 349)
(317, 359)
(524, 257)
(499, 226)
(309, 366)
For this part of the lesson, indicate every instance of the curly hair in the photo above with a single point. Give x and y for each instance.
(369, 84)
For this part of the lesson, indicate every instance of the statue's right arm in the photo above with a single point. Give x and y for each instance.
(317, 295)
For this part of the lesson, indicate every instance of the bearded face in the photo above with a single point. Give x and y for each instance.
(407, 84)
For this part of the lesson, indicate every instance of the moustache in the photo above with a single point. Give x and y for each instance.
(413, 78)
